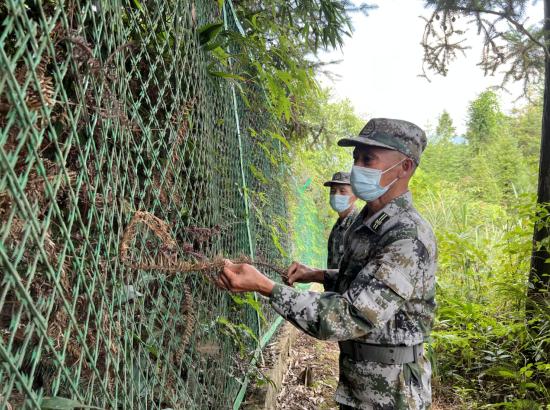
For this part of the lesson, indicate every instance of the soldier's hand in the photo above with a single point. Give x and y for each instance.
(298, 272)
(242, 277)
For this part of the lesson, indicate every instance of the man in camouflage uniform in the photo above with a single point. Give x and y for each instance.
(383, 305)
(342, 201)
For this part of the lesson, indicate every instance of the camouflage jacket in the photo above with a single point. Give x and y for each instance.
(336, 239)
(383, 294)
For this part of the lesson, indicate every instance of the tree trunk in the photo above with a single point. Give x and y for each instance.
(539, 277)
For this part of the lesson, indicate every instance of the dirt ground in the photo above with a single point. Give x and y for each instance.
(311, 377)
(304, 375)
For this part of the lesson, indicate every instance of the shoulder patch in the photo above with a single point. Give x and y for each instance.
(376, 225)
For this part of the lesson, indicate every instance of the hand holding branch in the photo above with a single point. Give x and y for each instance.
(242, 277)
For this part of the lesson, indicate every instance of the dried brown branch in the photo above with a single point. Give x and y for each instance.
(157, 225)
(187, 330)
(84, 57)
(181, 119)
(129, 45)
(168, 262)
(277, 269)
(79, 41)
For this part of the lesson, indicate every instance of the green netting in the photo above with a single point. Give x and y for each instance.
(107, 109)
(308, 237)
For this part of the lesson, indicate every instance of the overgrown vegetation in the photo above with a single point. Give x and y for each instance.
(520, 49)
(479, 191)
(479, 194)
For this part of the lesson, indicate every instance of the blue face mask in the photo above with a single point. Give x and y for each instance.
(339, 202)
(365, 182)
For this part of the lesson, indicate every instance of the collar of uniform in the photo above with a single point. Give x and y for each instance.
(376, 222)
(348, 219)
(351, 216)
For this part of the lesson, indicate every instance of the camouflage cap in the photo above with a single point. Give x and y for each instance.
(398, 135)
(339, 178)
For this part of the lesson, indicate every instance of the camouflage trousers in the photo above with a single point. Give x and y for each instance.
(379, 386)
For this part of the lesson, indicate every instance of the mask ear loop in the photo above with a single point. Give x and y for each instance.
(392, 167)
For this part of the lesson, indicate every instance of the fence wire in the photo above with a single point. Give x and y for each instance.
(108, 114)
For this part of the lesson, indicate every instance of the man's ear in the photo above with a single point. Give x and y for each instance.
(408, 167)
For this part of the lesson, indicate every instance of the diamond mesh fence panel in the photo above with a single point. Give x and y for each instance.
(109, 120)
(309, 239)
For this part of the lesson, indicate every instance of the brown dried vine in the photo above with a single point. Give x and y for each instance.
(83, 56)
(38, 95)
(35, 188)
(187, 330)
(168, 262)
(181, 119)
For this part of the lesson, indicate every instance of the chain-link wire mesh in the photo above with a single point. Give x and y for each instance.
(107, 109)
(308, 238)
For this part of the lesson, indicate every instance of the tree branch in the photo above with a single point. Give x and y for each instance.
(520, 27)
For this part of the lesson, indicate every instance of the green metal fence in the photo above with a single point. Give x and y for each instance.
(107, 108)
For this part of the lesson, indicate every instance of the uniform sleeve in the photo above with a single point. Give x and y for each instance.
(329, 253)
(330, 277)
(374, 297)
(329, 248)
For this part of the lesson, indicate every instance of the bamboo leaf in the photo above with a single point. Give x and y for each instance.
(138, 5)
(208, 32)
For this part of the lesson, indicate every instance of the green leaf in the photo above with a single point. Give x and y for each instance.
(208, 32)
(237, 299)
(224, 321)
(149, 347)
(61, 403)
(531, 385)
(138, 5)
(258, 174)
(250, 301)
(267, 153)
(277, 242)
(212, 45)
(233, 329)
(279, 137)
(248, 331)
(507, 374)
(243, 95)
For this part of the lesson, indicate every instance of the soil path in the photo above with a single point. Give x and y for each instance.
(312, 376)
